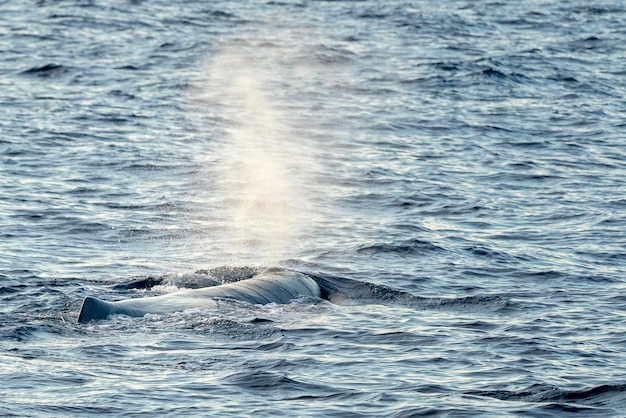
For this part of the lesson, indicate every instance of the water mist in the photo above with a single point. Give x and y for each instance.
(257, 165)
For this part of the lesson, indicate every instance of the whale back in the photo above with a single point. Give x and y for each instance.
(270, 286)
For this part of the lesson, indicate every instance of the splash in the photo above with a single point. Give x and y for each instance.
(257, 163)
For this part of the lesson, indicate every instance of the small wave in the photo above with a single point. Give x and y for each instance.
(46, 70)
(275, 346)
(10, 289)
(539, 393)
(408, 247)
(500, 257)
(20, 333)
(478, 303)
(146, 167)
(262, 381)
(490, 72)
(325, 55)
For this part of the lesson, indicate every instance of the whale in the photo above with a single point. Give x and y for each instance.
(269, 286)
(272, 285)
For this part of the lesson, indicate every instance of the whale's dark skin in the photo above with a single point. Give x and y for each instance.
(274, 286)
(270, 286)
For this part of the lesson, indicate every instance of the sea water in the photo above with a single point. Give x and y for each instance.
(469, 153)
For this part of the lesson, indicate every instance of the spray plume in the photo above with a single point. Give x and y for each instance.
(257, 163)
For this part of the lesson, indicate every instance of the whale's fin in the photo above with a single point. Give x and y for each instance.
(94, 309)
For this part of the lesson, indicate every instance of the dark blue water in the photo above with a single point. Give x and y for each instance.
(469, 153)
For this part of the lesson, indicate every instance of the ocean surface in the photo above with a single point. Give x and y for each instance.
(469, 155)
